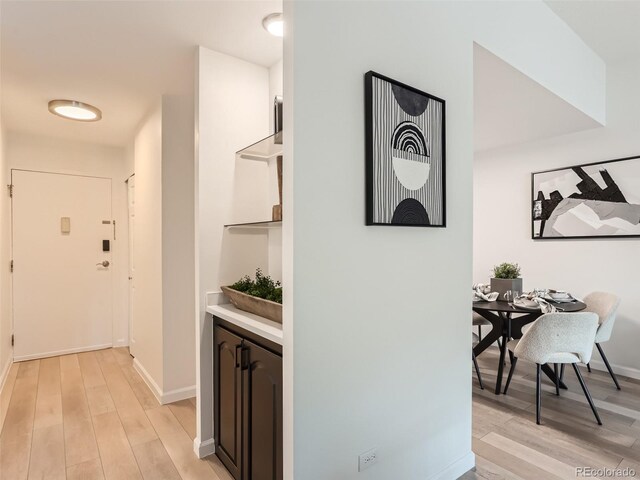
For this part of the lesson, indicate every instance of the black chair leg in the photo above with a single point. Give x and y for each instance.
(562, 372)
(511, 370)
(586, 393)
(538, 393)
(479, 332)
(475, 364)
(557, 374)
(606, 363)
(588, 368)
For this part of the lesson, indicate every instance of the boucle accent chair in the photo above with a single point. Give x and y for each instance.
(557, 338)
(475, 339)
(606, 306)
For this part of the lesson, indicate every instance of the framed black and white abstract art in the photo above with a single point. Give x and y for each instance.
(405, 154)
(587, 201)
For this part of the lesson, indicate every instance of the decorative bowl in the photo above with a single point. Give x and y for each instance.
(256, 305)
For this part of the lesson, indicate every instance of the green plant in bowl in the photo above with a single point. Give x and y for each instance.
(262, 287)
(506, 271)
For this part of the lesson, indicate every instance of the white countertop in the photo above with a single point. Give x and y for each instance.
(259, 325)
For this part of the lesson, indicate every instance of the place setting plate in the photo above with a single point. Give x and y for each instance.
(526, 304)
(559, 297)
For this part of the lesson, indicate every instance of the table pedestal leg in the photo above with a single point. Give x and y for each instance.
(548, 371)
(503, 352)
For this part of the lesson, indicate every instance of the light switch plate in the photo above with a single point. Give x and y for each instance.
(65, 224)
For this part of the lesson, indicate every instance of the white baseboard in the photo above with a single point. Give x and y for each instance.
(121, 342)
(163, 397)
(204, 449)
(153, 386)
(457, 468)
(57, 353)
(179, 394)
(617, 369)
(5, 372)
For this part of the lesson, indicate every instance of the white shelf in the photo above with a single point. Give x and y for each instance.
(264, 150)
(259, 325)
(255, 225)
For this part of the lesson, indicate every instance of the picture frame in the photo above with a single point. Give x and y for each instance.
(405, 154)
(587, 201)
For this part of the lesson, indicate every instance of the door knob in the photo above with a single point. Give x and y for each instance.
(104, 264)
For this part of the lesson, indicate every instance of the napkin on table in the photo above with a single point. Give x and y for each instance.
(483, 291)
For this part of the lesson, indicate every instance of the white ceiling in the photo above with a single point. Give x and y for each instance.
(122, 55)
(117, 55)
(609, 27)
(511, 108)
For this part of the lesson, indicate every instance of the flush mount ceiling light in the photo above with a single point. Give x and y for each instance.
(274, 24)
(82, 112)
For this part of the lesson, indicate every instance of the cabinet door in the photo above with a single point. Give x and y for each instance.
(263, 415)
(228, 400)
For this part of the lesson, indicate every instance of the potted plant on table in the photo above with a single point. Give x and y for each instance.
(506, 276)
(262, 296)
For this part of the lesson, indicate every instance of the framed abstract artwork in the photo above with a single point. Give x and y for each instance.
(587, 201)
(405, 155)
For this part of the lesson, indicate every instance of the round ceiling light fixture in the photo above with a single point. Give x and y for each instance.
(274, 24)
(73, 110)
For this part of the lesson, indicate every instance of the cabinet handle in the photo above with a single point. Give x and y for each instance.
(245, 359)
(238, 355)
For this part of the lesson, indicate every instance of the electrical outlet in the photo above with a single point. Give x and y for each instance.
(366, 459)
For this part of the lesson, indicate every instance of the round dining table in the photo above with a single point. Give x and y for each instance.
(507, 320)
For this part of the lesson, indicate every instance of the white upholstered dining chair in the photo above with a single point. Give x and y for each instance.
(474, 340)
(479, 321)
(605, 305)
(557, 338)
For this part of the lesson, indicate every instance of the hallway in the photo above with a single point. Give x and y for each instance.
(91, 416)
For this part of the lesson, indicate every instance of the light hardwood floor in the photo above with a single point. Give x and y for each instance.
(509, 445)
(91, 416)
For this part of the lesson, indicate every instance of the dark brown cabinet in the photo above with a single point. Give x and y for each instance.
(228, 400)
(248, 403)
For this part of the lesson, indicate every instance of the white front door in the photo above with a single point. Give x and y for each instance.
(62, 285)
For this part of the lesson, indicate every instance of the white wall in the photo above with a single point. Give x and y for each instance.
(502, 225)
(233, 111)
(178, 243)
(147, 328)
(31, 152)
(163, 329)
(6, 324)
(6, 327)
(6, 351)
(376, 319)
